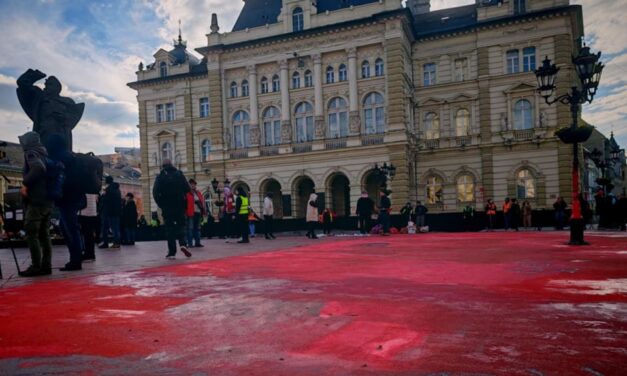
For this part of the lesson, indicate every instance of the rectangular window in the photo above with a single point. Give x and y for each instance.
(529, 59)
(461, 69)
(204, 107)
(333, 126)
(429, 71)
(519, 6)
(169, 112)
(160, 113)
(513, 63)
(343, 124)
(369, 121)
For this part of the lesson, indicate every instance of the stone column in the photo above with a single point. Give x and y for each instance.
(286, 126)
(254, 106)
(355, 123)
(319, 105)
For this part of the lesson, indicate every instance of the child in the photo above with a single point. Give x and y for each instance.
(252, 218)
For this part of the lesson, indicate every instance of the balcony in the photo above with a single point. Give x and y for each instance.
(268, 151)
(523, 135)
(372, 139)
(463, 141)
(304, 147)
(432, 144)
(335, 144)
(239, 154)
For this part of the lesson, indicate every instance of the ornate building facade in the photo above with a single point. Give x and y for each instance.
(304, 94)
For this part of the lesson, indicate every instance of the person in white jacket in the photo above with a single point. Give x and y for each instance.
(312, 216)
(268, 216)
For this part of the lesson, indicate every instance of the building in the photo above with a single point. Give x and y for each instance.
(604, 165)
(305, 94)
(124, 167)
(11, 167)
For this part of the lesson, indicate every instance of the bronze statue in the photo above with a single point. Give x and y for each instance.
(51, 113)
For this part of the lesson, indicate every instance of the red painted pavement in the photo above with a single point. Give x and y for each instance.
(453, 304)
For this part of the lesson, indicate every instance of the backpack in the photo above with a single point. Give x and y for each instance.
(55, 178)
(84, 173)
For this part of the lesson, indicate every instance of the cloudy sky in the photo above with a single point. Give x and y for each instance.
(94, 47)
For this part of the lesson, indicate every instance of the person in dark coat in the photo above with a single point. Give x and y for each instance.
(384, 211)
(559, 206)
(129, 219)
(111, 213)
(406, 213)
(170, 194)
(365, 208)
(621, 211)
(515, 214)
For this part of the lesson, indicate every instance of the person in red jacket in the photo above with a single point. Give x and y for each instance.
(195, 212)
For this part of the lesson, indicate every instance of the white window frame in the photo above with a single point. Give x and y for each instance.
(527, 182)
(523, 116)
(233, 90)
(330, 75)
(298, 19)
(365, 69)
(241, 129)
(374, 113)
(308, 78)
(337, 126)
(170, 112)
(167, 151)
(434, 185)
(465, 188)
(272, 126)
(379, 68)
(342, 73)
(203, 107)
(429, 74)
(160, 113)
(431, 125)
(296, 80)
(304, 120)
(512, 59)
(264, 85)
(205, 150)
(163, 69)
(529, 59)
(245, 88)
(462, 122)
(461, 69)
(276, 83)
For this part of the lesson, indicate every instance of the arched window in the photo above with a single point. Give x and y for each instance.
(241, 129)
(205, 149)
(378, 67)
(525, 185)
(342, 73)
(233, 89)
(296, 80)
(434, 190)
(276, 83)
(465, 188)
(298, 21)
(432, 126)
(264, 85)
(462, 122)
(272, 126)
(245, 88)
(338, 118)
(308, 79)
(163, 69)
(365, 69)
(374, 113)
(523, 115)
(304, 122)
(330, 75)
(166, 151)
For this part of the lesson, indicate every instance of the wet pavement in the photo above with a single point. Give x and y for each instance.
(429, 304)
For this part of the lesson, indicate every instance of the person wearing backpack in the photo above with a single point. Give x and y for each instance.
(111, 213)
(170, 194)
(72, 200)
(38, 206)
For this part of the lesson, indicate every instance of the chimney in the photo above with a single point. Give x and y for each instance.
(419, 6)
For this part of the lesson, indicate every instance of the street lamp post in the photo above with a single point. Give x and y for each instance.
(589, 70)
(218, 188)
(386, 172)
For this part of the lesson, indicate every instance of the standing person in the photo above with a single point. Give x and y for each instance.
(252, 220)
(515, 214)
(88, 220)
(129, 218)
(268, 216)
(406, 213)
(231, 228)
(559, 206)
(170, 194)
(242, 210)
(468, 213)
(71, 201)
(38, 206)
(421, 213)
(327, 221)
(312, 215)
(507, 215)
(111, 201)
(527, 213)
(490, 212)
(384, 211)
(365, 208)
(195, 212)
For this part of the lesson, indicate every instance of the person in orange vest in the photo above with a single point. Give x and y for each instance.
(490, 211)
(252, 219)
(507, 215)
